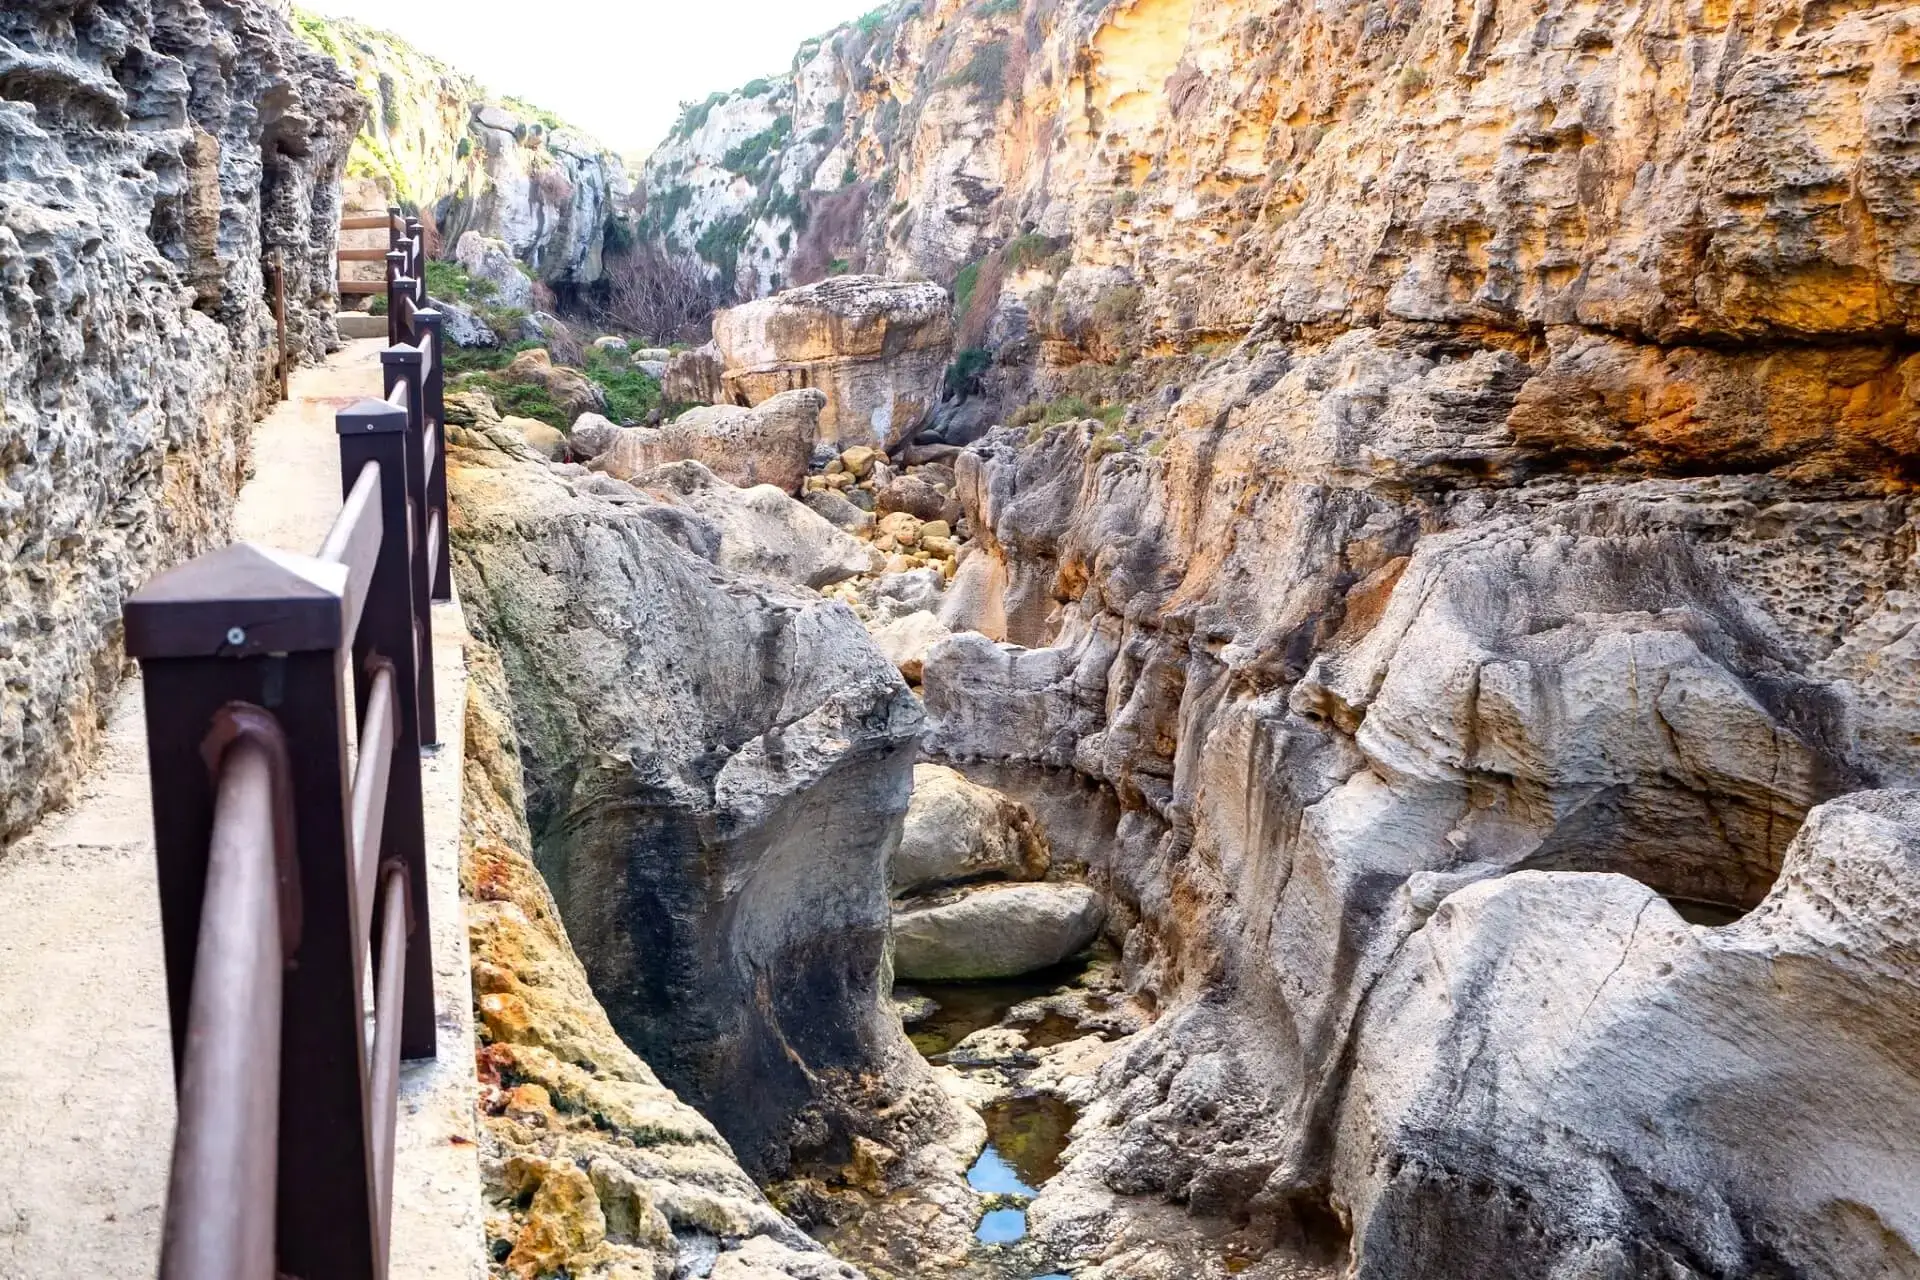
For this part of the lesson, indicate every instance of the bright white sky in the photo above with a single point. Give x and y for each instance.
(616, 68)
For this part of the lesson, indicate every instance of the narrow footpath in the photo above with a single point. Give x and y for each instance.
(86, 1083)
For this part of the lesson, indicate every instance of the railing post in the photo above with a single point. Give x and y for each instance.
(396, 274)
(417, 265)
(432, 329)
(265, 628)
(396, 226)
(402, 365)
(376, 431)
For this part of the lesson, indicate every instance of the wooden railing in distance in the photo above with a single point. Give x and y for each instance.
(281, 876)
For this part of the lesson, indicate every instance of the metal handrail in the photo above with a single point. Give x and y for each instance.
(221, 1195)
(284, 1159)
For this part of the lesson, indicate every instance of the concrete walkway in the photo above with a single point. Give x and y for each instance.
(86, 1083)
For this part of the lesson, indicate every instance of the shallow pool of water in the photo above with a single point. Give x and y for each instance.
(967, 1007)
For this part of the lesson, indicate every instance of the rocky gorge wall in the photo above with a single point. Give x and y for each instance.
(152, 156)
(1462, 508)
(437, 140)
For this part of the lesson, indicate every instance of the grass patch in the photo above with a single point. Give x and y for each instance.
(985, 74)
(1066, 409)
(631, 394)
(963, 375)
(518, 399)
(964, 286)
(450, 281)
(465, 360)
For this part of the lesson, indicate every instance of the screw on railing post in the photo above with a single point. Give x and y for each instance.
(402, 365)
(375, 431)
(396, 273)
(432, 329)
(266, 628)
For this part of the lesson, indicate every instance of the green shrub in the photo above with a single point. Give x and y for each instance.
(464, 150)
(450, 281)
(379, 305)
(693, 115)
(849, 176)
(839, 267)
(464, 360)
(1031, 250)
(964, 285)
(996, 8)
(518, 399)
(985, 74)
(963, 375)
(631, 394)
(1067, 409)
(745, 156)
(1117, 305)
(756, 88)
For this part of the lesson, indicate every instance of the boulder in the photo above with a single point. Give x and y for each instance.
(463, 326)
(837, 511)
(572, 390)
(906, 641)
(547, 441)
(1647, 1081)
(877, 348)
(763, 531)
(693, 377)
(766, 445)
(995, 931)
(592, 435)
(959, 831)
(917, 498)
(899, 594)
(484, 258)
(614, 349)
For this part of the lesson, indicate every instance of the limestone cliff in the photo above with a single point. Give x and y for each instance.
(718, 768)
(592, 1167)
(1455, 443)
(152, 157)
(438, 141)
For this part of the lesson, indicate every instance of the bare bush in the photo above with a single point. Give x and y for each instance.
(659, 295)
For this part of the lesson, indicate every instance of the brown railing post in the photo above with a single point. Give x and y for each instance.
(402, 367)
(266, 628)
(396, 274)
(396, 226)
(433, 337)
(377, 431)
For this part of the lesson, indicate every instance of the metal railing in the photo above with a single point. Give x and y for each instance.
(292, 848)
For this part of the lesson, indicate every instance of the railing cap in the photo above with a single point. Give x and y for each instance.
(402, 354)
(241, 601)
(372, 417)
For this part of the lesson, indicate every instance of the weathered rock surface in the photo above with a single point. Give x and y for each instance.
(1529, 1100)
(593, 1168)
(717, 773)
(958, 831)
(571, 390)
(995, 931)
(693, 377)
(490, 261)
(474, 163)
(907, 640)
(875, 348)
(152, 156)
(770, 444)
(763, 532)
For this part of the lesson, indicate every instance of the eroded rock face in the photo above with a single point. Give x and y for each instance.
(718, 769)
(875, 348)
(592, 1166)
(769, 444)
(437, 139)
(1561, 1076)
(152, 157)
(763, 532)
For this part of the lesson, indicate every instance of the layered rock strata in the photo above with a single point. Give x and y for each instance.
(592, 1167)
(154, 158)
(717, 772)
